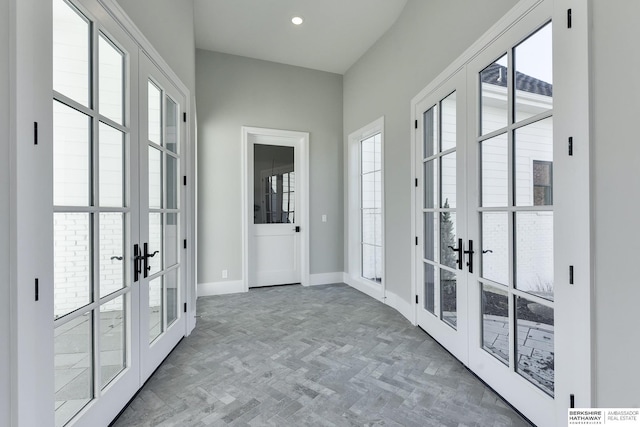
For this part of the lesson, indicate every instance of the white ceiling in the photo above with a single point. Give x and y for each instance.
(334, 35)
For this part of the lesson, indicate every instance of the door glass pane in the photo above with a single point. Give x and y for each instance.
(534, 163)
(155, 308)
(155, 243)
(533, 60)
(155, 113)
(272, 164)
(111, 80)
(495, 171)
(448, 181)
(448, 256)
(493, 107)
(111, 160)
(71, 147)
(430, 183)
(368, 153)
(534, 253)
(535, 351)
(73, 343)
(155, 178)
(71, 52)
(72, 262)
(448, 295)
(495, 247)
(172, 182)
(171, 125)
(429, 288)
(171, 231)
(448, 106)
(171, 283)
(112, 339)
(369, 262)
(112, 253)
(430, 241)
(430, 132)
(495, 322)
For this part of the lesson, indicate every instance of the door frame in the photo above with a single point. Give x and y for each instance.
(301, 143)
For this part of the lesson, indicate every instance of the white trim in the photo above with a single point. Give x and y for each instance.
(302, 180)
(367, 287)
(401, 306)
(221, 288)
(325, 278)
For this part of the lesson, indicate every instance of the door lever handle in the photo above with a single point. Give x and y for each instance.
(145, 259)
(459, 250)
(470, 253)
(137, 260)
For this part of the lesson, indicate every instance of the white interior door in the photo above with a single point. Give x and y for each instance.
(160, 251)
(440, 217)
(275, 227)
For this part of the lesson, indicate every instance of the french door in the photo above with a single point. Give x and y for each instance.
(161, 273)
(117, 159)
(441, 217)
(485, 216)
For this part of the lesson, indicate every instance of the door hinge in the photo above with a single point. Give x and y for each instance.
(37, 289)
(185, 307)
(416, 299)
(571, 146)
(572, 401)
(416, 182)
(184, 117)
(35, 133)
(416, 124)
(416, 240)
(569, 23)
(184, 180)
(184, 245)
(571, 274)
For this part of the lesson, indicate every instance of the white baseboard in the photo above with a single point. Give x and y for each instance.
(401, 306)
(374, 290)
(325, 278)
(220, 288)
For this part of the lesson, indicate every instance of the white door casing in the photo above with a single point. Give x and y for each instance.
(274, 253)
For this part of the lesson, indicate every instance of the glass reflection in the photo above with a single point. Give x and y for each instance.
(535, 357)
(112, 252)
(534, 164)
(111, 80)
(533, 60)
(155, 308)
(274, 184)
(430, 142)
(112, 340)
(495, 322)
(73, 367)
(494, 155)
(534, 253)
(448, 256)
(111, 169)
(448, 181)
(448, 296)
(171, 288)
(448, 137)
(493, 108)
(495, 247)
(429, 288)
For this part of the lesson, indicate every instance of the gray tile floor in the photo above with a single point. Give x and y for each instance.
(319, 356)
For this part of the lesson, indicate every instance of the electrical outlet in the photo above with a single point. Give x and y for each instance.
(225, 274)
(324, 218)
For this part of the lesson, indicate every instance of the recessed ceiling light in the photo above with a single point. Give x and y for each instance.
(297, 20)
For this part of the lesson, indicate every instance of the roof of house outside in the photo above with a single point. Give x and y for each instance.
(495, 74)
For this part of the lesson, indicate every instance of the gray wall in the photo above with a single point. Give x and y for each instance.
(168, 25)
(616, 166)
(5, 308)
(427, 37)
(233, 92)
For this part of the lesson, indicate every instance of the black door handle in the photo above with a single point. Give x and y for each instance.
(470, 253)
(137, 259)
(145, 258)
(459, 250)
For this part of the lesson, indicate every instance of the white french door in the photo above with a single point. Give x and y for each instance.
(441, 216)
(119, 281)
(484, 154)
(159, 253)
